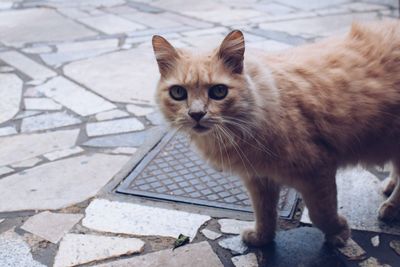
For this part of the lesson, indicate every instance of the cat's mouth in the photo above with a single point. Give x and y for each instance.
(198, 128)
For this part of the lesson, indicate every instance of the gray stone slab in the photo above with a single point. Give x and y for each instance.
(41, 104)
(319, 26)
(47, 121)
(111, 24)
(74, 97)
(136, 219)
(234, 244)
(210, 234)
(126, 76)
(248, 260)
(112, 114)
(58, 184)
(68, 52)
(10, 96)
(25, 146)
(26, 163)
(15, 252)
(232, 226)
(113, 127)
(199, 255)
(51, 226)
(312, 4)
(151, 20)
(38, 25)
(63, 153)
(77, 249)
(359, 198)
(121, 140)
(26, 65)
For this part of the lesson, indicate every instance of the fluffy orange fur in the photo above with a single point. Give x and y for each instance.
(293, 117)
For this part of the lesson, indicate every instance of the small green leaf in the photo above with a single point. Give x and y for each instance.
(182, 240)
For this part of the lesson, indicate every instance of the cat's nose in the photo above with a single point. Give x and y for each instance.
(197, 115)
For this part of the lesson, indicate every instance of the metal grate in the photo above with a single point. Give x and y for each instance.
(174, 171)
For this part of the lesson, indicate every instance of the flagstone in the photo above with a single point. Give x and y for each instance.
(47, 121)
(113, 127)
(128, 76)
(111, 24)
(28, 113)
(38, 49)
(26, 163)
(234, 244)
(76, 249)
(127, 218)
(63, 153)
(232, 226)
(41, 104)
(134, 139)
(51, 226)
(58, 184)
(38, 25)
(248, 260)
(124, 150)
(8, 130)
(112, 114)
(10, 96)
(68, 52)
(138, 110)
(210, 234)
(200, 255)
(14, 251)
(5, 170)
(25, 146)
(74, 97)
(26, 65)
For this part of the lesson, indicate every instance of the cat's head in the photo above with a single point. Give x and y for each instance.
(201, 92)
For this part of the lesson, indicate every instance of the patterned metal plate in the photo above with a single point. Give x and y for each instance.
(174, 171)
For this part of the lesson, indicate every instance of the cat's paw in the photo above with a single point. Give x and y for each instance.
(389, 187)
(339, 239)
(255, 239)
(388, 211)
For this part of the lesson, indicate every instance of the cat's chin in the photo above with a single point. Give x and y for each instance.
(200, 129)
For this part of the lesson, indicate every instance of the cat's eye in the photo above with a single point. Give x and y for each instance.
(178, 92)
(218, 91)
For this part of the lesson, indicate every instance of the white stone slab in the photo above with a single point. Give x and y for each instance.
(234, 244)
(51, 226)
(10, 96)
(68, 52)
(6, 69)
(112, 114)
(248, 260)
(270, 45)
(113, 127)
(111, 24)
(74, 97)
(58, 154)
(359, 198)
(196, 255)
(22, 147)
(232, 226)
(124, 150)
(5, 170)
(151, 20)
(41, 104)
(76, 249)
(9, 130)
(38, 25)
(117, 217)
(210, 234)
(37, 49)
(26, 65)
(47, 121)
(29, 113)
(125, 76)
(15, 252)
(138, 110)
(26, 163)
(58, 184)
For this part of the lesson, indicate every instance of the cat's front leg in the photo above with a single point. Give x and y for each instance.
(264, 194)
(320, 196)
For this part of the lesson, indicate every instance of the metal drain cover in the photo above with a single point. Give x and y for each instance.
(173, 171)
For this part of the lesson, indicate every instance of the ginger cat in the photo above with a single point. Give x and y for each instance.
(292, 117)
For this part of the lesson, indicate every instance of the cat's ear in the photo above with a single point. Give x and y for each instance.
(231, 51)
(166, 54)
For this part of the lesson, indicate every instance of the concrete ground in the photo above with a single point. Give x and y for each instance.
(77, 80)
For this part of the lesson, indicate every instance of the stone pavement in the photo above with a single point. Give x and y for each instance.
(77, 80)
